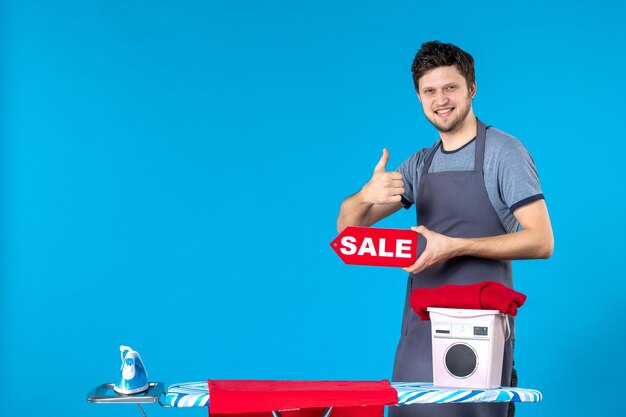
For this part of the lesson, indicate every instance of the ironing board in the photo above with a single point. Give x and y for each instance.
(196, 394)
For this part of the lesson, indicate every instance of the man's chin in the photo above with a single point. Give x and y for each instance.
(445, 127)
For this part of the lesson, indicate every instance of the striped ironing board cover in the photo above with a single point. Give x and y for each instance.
(195, 394)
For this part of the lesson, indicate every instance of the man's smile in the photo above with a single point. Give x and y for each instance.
(444, 111)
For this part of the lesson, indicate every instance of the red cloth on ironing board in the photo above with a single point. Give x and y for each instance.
(486, 295)
(301, 398)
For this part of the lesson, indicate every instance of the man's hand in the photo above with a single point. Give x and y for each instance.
(439, 248)
(379, 198)
(384, 187)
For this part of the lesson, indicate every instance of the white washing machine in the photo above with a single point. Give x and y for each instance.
(468, 347)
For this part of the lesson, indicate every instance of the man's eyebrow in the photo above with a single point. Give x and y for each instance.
(452, 83)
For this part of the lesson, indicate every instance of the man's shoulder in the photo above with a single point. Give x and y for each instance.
(501, 143)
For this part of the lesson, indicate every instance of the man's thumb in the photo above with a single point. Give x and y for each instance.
(382, 164)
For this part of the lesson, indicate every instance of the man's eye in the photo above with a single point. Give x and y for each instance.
(451, 87)
(429, 91)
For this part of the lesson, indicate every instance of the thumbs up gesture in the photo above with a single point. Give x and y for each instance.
(384, 187)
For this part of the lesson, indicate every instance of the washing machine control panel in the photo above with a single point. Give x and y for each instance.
(460, 331)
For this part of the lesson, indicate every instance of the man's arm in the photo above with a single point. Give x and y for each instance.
(379, 198)
(534, 240)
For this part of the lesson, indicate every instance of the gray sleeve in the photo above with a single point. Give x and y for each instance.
(518, 180)
(410, 175)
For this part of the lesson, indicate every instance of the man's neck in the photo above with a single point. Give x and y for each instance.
(461, 136)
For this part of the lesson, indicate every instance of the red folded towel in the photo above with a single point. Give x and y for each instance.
(486, 295)
(262, 397)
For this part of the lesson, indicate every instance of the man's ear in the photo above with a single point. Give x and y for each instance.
(472, 89)
(418, 95)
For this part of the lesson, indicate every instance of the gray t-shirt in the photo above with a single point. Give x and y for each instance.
(510, 175)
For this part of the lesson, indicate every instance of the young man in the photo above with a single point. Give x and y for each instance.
(479, 205)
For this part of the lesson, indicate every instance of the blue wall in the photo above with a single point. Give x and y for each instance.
(172, 171)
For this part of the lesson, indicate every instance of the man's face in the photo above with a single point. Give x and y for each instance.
(445, 97)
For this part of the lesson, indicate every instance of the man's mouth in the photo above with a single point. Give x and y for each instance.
(444, 111)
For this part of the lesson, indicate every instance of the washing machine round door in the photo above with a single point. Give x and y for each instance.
(461, 360)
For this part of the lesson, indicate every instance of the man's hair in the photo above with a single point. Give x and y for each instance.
(437, 54)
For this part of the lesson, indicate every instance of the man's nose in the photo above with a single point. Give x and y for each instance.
(440, 98)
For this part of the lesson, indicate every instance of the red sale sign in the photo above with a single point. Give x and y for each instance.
(376, 247)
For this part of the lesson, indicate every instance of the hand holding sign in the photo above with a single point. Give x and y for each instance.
(377, 247)
(384, 187)
(440, 248)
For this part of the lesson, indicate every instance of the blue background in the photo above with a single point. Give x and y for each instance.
(172, 172)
